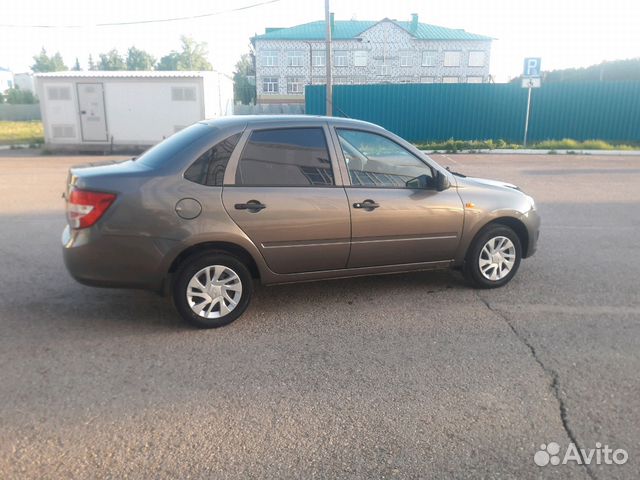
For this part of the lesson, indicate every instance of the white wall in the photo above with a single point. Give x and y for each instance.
(24, 81)
(141, 111)
(6, 80)
(138, 111)
(218, 95)
(61, 114)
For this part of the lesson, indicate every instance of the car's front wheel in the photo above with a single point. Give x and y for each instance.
(493, 258)
(212, 290)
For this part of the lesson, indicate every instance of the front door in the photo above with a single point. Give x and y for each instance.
(285, 199)
(92, 118)
(393, 222)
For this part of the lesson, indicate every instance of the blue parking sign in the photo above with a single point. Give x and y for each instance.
(532, 67)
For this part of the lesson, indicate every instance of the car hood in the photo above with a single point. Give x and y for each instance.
(481, 182)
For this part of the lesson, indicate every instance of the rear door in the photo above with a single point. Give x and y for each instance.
(285, 197)
(393, 222)
(92, 117)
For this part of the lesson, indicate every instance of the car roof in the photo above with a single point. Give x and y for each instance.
(285, 119)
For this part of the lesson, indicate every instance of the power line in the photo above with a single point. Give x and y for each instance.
(140, 22)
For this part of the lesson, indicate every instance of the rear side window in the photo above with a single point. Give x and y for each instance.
(209, 168)
(290, 157)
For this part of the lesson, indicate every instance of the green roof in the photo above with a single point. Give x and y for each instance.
(349, 29)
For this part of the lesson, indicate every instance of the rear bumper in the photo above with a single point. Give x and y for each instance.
(99, 260)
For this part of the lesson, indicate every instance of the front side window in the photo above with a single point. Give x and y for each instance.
(295, 59)
(450, 79)
(270, 85)
(452, 58)
(340, 58)
(209, 168)
(375, 161)
(288, 157)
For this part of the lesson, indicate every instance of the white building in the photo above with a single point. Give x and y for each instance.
(6, 79)
(128, 108)
(386, 51)
(24, 81)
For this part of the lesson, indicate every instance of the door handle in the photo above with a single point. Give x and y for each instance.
(368, 204)
(253, 206)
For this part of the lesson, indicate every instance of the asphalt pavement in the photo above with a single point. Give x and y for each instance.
(399, 376)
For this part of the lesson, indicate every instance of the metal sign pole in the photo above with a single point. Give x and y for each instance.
(526, 121)
(329, 91)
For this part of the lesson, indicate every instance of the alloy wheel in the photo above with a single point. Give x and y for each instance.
(214, 291)
(497, 258)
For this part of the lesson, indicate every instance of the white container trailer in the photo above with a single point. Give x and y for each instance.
(105, 109)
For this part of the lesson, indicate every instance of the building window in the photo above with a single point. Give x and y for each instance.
(183, 94)
(319, 80)
(406, 59)
(319, 58)
(295, 85)
(58, 93)
(474, 79)
(452, 59)
(426, 79)
(360, 58)
(270, 58)
(429, 58)
(270, 85)
(340, 58)
(359, 80)
(383, 69)
(405, 80)
(340, 80)
(476, 59)
(295, 59)
(450, 79)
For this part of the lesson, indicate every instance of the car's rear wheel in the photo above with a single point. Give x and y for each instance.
(493, 258)
(212, 290)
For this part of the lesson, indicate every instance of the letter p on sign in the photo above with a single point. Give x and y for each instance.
(532, 67)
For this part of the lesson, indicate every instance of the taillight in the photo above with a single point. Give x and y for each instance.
(84, 208)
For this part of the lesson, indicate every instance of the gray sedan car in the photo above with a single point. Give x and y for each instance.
(284, 199)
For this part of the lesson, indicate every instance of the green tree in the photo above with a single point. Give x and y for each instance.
(16, 96)
(192, 56)
(139, 59)
(76, 66)
(111, 60)
(91, 63)
(169, 62)
(45, 63)
(244, 83)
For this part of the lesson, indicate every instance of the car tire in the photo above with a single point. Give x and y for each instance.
(493, 258)
(212, 289)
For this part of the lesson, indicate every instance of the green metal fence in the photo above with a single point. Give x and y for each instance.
(434, 112)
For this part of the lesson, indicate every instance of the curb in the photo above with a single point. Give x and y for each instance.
(527, 151)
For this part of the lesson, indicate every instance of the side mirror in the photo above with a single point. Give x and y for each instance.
(442, 181)
(420, 182)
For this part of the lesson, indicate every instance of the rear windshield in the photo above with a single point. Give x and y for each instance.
(165, 150)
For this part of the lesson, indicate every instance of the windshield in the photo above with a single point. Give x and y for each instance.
(171, 146)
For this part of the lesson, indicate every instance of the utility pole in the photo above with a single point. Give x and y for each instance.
(329, 92)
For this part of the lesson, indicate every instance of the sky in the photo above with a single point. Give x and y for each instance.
(565, 33)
